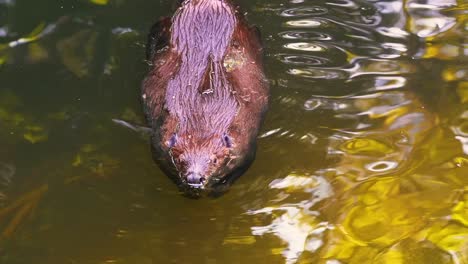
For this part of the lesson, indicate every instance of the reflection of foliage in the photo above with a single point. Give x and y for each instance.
(369, 146)
(36, 52)
(99, 2)
(90, 158)
(462, 90)
(379, 216)
(384, 218)
(411, 251)
(77, 51)
(460, 211)
(296, 222)
(20, 209)
(390, 212)
(449, 237)
(35, 134)
(29, 128)
(72, 40)
(106, 2)
(80, 52)
(3, 54)
(459, 75)
(131, 116)
(18, 123)
(397, 188)
(417, 213)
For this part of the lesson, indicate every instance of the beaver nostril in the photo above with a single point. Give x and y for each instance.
(195, 178)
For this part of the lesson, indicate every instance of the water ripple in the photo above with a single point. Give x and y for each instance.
(290, 224)
(305, 46)
(304, 11)
(313, 73)
(305, 35)
(305, 60)
(360, 67)
(306, 23)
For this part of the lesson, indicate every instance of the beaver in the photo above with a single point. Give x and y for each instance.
(205, 94)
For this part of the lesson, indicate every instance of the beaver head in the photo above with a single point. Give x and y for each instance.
(207, 161)
(205, 94)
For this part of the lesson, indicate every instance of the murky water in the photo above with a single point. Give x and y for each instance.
(363, 157)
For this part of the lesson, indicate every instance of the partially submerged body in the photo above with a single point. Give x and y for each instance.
(205, 94)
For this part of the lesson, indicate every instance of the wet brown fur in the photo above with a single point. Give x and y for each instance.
(243, 70)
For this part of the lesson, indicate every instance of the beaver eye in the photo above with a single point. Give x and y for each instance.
(172, 141)
(213, 159)
(227, 141)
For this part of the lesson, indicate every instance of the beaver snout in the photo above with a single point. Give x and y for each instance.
(195, 180)
(195, 166)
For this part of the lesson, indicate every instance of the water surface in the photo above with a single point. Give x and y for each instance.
(363, 157)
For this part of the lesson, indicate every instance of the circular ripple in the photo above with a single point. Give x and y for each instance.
(312, 73)
(305, 46)
(301, 59)
(304, 11)
(306, 23)
(381, 166)
(392, 32)
(343, 3)
(304, 35)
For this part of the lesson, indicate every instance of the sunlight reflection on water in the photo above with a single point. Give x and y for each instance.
(384, 134)
(362, 159)
(297, 224)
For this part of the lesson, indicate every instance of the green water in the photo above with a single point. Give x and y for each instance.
(363, 157)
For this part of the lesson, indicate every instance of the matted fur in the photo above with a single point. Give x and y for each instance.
(201, 36)
(205, 94)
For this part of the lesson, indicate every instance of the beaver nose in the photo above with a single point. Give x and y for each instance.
(195, 179)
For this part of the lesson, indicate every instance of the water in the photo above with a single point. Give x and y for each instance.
(362, 159)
